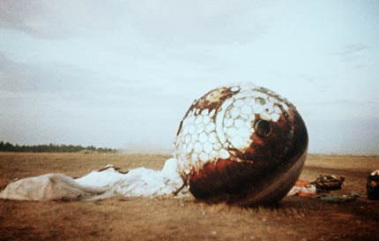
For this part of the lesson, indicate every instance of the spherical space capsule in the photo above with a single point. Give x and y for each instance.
(243, 145)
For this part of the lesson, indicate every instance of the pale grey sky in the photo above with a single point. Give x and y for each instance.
(122, 73)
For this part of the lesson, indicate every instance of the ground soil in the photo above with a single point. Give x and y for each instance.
(294, 218)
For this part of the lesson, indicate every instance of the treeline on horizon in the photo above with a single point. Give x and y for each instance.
(9, 147)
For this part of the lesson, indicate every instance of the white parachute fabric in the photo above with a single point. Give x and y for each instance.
(53, 186)
(97, 185)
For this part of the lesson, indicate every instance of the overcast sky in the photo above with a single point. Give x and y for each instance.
(122, 73)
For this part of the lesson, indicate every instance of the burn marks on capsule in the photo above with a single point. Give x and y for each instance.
(213, 99)
(222, 125)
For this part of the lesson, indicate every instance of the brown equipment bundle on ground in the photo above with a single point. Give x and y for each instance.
(328, 182)
(373, 186)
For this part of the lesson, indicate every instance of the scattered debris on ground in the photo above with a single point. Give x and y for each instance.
(331, 198)
(324, 184)
(302, 189)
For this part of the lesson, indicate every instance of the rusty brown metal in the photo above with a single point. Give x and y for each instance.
(260, 173)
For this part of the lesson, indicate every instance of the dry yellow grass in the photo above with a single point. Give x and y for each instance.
(294, 218)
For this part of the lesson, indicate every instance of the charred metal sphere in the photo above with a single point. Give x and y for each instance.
(243, 145)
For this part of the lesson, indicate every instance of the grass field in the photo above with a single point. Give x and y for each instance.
(294, 218)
